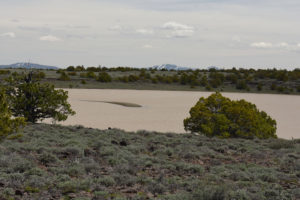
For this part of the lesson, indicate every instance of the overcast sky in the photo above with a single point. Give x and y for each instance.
(143, 33)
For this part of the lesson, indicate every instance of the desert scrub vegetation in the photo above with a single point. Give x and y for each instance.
(73, 162)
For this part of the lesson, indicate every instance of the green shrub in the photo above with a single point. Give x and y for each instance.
(273, 86)
(39, 75)
(31, 189)
(83, 75)
(156, 188)
(123, 79)
(64, 77)
(35, 101)
(154, 80)
(104, 77)
(241, 85)
(59, 71)
(106, 181)
(47, 159)
(101, 195)
(8, 125)
(90, 74)
(70, 68)
(222, 117)
(15, 136)
(282, 144)
(210, 193)
(80, 68)
(133, 78)
(125, 179)
(4, 72)
(72, 73)
(208, 87)
(282, 89)
(20, 165)
(35, 171)
(68, 187)
(259, 87)
(74, 170)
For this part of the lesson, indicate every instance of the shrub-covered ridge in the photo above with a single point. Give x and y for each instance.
(58, 162)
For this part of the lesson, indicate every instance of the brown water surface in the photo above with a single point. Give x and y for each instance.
(164, 111)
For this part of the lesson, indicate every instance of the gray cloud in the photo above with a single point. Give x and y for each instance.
(263, 45)
(50, 38)
(116, 27)
(78, 27)
(40, 29)
(8, 34)
(181, 5)
(15, 20)
(145, 31)
(178, 30)
(280, 45)
(147, 46)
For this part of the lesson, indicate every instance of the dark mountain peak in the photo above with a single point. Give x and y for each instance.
(28, 66)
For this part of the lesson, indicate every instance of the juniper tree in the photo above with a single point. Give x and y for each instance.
(33, 100)
(222, 117)
(8, 124)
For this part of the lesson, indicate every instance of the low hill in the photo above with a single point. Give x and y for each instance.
(73, 162)
(28, 66)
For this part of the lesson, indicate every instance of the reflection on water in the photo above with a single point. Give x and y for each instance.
(164, 111)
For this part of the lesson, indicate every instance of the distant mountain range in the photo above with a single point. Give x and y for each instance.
(178, 68)
(28, 66)
(170, 67)
(38, 66)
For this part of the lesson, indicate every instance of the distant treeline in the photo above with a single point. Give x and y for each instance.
(260, 80)
(282, 81)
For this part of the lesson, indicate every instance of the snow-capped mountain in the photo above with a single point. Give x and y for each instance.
(28, 66)
(213, 67)
(170, 67)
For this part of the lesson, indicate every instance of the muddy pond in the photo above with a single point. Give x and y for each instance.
(164, 111)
